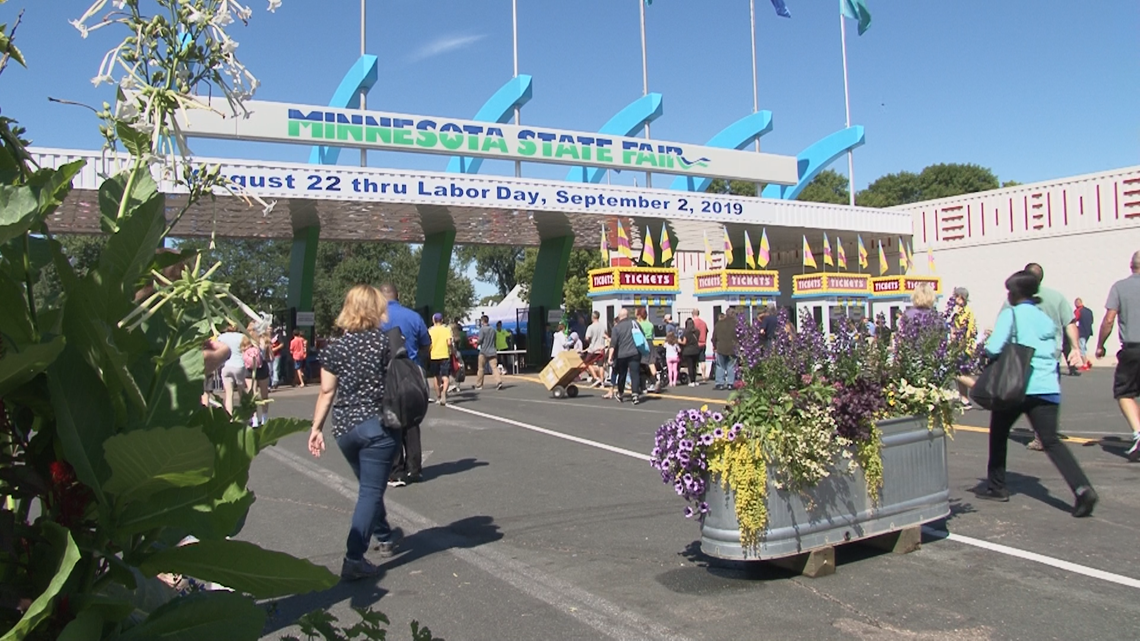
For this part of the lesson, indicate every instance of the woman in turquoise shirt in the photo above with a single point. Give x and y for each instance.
(1042, 403)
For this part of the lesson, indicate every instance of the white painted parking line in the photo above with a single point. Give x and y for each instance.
(965, 540)
(1033, 556)
(608, 619)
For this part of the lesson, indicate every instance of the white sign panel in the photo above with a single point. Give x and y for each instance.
(306, 319)
(456, 190)
(314, 125)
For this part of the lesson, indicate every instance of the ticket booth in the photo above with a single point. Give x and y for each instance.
(829, 298)
(747, 291)
(890, 295)
(654, 288)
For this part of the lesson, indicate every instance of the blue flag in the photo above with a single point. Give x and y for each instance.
(781, 9)
(856, 10)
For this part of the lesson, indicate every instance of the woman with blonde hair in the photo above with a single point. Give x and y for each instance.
(257, 359)
(353, 367)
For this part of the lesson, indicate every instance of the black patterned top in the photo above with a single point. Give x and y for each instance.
(359, 360)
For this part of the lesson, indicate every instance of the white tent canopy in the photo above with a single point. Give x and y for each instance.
(506, 311)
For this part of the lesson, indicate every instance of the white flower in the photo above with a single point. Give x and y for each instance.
(105, 78)
(83, 30)
(274, 5)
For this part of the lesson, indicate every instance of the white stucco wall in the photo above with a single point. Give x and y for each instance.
(1082, 230)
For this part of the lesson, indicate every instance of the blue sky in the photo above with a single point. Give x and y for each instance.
(1033, 90)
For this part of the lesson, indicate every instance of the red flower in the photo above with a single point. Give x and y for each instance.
(68, 495)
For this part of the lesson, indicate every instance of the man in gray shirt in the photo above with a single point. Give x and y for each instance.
(1124, 303)
(626, 358)
(596, 344)
(488, 353)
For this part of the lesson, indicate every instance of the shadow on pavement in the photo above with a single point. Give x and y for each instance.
(467, 533)
(451, 467)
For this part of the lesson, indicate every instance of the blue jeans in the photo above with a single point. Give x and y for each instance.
(369, 449)
(275, 372)
(725, 370)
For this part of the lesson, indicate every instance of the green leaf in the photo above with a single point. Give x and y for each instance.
(136, 142)
(278, 428)
(114, 189)
(202, 615)
(144, 462)
(84, 417)
(53, 185)
(131, 249)
(18, 211)
(242, 566)
(15, 324)
(88, 624)
(17, 368)
(60, 539)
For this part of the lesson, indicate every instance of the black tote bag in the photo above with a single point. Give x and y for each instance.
(1002, 383)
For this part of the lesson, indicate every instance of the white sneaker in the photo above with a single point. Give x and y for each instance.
(1133, 452)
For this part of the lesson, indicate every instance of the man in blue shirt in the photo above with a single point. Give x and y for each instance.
(409, 463)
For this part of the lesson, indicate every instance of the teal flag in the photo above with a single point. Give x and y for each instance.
(856, 10)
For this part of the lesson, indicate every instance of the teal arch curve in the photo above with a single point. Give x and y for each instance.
(738, 135)
(499, 108)
(627, 122)
(361, 76)
(815, 158)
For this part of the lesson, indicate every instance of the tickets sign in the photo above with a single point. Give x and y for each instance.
(831, 285)
(735, 281)
(902, 286)
(617, 280)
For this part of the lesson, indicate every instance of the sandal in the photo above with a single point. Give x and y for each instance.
(1035, 445)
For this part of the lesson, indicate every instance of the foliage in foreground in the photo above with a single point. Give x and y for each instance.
(808, 408)
(108, 460)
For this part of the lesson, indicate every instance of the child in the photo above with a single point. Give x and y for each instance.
(672, 357)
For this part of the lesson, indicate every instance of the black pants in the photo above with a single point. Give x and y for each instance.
(409, 456)
(691, 364)
(1043, 419)
(631, 366)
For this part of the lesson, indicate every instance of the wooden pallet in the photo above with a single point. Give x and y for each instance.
(821, 561)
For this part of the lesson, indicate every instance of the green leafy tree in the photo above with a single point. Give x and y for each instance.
(493, 264)
(1009, 183)
(257, 270)
(577, 286)
(734, 187)
(935, 181)
(829, 186)
(341, 265)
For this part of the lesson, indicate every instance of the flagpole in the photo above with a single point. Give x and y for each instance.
(755, 74)
(644, 79)
(515, 43)
(847, 109)
(363, 100)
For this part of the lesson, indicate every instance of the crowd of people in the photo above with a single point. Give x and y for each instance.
(627, 356)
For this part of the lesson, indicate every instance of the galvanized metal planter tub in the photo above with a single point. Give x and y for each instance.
(916, 490)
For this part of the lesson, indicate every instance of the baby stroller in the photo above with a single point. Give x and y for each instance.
(662, 367)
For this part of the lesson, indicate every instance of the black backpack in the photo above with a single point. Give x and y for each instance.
(405, 400)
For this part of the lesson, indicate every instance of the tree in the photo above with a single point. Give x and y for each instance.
(734, 187)
(490, 301)
(342, 265)
(257, 270)
(936, 181)
(493, 264)
(1009, 183)
(829, 186)
(577, 286)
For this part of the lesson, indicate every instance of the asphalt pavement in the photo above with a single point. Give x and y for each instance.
(541, 519)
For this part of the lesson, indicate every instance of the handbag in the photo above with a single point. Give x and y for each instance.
(1002, 384)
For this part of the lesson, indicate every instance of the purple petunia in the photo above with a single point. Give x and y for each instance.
(688, 512)
(706, 439)
(718, 433)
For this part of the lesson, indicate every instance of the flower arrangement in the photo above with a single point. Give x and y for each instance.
(808, 406)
